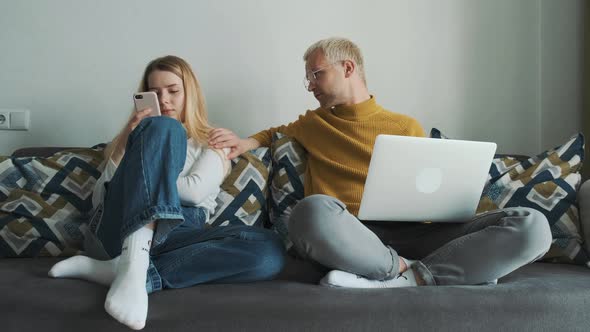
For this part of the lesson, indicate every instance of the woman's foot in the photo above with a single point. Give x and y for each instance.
(127, 299)
(86, 268)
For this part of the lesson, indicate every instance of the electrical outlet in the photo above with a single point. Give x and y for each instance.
(14, 119)
(4, 120)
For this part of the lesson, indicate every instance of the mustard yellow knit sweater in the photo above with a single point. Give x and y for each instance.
(339, 143)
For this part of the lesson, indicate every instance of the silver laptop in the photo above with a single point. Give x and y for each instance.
(425, 179)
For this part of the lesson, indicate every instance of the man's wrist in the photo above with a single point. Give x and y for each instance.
(251, 144)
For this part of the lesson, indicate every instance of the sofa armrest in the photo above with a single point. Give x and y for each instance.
(584, 204)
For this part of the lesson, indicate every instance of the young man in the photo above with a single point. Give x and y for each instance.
(339, 138)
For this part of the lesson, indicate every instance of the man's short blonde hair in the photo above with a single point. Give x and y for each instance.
(339, 49)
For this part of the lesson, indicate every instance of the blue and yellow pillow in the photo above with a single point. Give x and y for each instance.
(243, 197)
(549, 183)
(43, 202)
(289, 161)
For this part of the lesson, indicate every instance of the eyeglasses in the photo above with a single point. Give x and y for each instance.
(313, 76)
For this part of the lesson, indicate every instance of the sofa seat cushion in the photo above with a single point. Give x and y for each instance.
(537, 297)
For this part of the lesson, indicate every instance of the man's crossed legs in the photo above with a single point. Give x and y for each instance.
(368, 254)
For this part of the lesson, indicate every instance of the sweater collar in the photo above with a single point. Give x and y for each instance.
(356, 111)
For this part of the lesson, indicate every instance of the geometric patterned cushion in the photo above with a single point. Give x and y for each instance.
(44, 201)
(549, 183)
(288, 168)
(243, 196)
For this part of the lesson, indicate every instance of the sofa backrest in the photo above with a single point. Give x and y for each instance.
(583, 194)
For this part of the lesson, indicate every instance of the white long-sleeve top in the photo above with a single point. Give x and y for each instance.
(198, 183)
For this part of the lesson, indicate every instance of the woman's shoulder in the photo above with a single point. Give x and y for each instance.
(192, 143)
(196, 149)
(193, 149)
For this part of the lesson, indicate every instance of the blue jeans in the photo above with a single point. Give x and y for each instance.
(185, 252)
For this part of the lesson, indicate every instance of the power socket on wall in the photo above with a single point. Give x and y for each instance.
(4, 120)
(14, 119)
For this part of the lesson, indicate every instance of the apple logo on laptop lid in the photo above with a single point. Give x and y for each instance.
(428, 180)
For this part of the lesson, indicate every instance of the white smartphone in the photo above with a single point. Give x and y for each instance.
(145, 100)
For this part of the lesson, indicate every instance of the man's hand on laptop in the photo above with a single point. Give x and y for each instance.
(220, 138)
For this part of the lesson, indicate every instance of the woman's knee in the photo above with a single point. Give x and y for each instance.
(160, 126)
(159, 138)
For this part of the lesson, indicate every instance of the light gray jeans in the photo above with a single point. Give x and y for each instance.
(488, 247)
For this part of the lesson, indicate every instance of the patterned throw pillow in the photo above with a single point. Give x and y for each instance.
(244, 193)
(289, 161)
(548, 183)
(43, 202)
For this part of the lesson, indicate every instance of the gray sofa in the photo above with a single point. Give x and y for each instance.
(537, 297)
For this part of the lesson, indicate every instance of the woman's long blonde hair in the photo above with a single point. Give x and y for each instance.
(194, 115)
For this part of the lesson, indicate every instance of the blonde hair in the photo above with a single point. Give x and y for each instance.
(194, 115)
(339, 49)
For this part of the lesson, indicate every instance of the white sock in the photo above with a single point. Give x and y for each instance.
(489, 283)
(337, 278)
(127, 300)
(82, 267)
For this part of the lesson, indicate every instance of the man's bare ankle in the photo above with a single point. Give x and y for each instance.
(402, 265)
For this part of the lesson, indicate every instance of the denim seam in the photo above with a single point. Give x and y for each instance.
(154, 279)
(246, 236)
(150, 214)
(146, 179)
(210, 243)
(182, 259)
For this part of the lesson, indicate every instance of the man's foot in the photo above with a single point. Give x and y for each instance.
(82, 267)
(127, 299)
(337, 278)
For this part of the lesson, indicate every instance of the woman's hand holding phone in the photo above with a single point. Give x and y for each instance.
(136, 118)
(120, 141)
(146, 105)
(143, 100)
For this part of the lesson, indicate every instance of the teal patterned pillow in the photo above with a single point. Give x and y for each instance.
(243, 197)
(289, 161)
(549, 183)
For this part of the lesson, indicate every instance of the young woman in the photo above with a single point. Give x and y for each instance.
(153, 199)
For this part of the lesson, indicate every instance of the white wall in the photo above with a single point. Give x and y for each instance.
(499, 70)
(561, 44)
